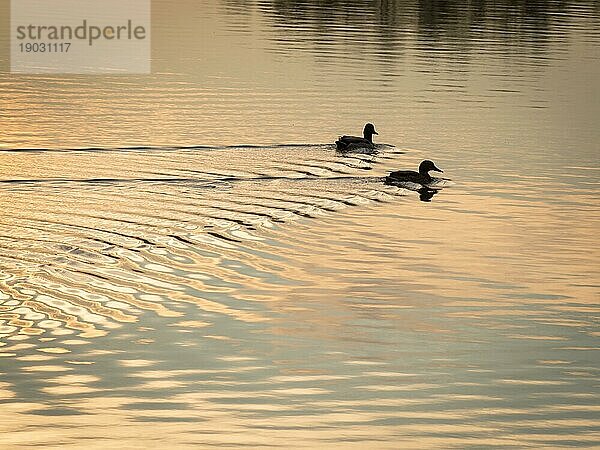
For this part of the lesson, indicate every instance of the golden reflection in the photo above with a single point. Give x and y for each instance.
(238, 296)
(54, 350)
(191, 324)
(42, 368)
(36, 358)
(69, 390)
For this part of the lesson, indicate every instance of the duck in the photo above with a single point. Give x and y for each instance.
(346, 143)
(421, 177)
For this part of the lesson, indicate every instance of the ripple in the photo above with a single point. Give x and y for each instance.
(116, 249)
(158, 292)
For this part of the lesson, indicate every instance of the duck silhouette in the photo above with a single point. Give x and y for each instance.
(421, 177)
(346, 143)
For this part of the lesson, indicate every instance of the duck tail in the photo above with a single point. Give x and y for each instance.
(340, 145)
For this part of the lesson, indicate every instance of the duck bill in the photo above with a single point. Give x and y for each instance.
(375, 132)
(437, 169)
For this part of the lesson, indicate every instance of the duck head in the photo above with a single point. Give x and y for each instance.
(369, 131)
(426, 166)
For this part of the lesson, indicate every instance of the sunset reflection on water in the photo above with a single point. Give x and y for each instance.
(219, 285)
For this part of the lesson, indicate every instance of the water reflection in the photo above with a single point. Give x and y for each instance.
(426, 194)
(381, 30)
(103, 258)
(189, 295)
(269, 292)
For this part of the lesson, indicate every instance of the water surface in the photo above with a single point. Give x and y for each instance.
(185, 261)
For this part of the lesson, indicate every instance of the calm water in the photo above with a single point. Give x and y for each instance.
(186, 262)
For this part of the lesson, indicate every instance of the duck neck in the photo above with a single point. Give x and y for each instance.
(368, 136)
(425, 174)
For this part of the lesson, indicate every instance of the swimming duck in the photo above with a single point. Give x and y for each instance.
(420, 177)
(345, 143)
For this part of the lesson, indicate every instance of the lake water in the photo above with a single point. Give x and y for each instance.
(186, 262)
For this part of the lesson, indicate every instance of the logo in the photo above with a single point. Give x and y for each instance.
(80, 36)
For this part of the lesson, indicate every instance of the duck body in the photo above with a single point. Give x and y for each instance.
(347, 143)
(421, 177)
